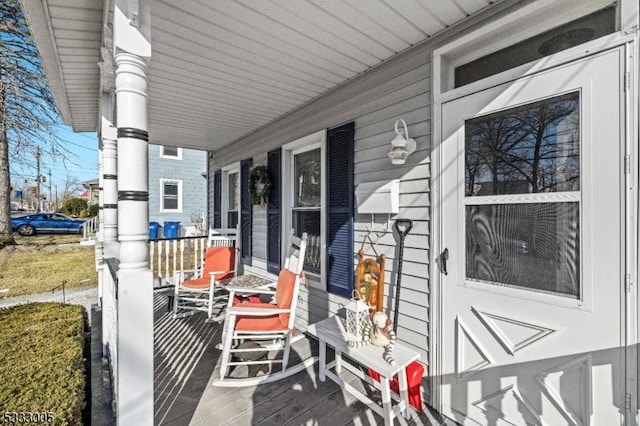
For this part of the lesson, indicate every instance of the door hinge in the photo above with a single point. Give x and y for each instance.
(627, 283)
(627, 164)
(627, 401)
(626, 81)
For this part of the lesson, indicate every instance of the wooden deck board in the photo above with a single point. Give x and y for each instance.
(186, 362)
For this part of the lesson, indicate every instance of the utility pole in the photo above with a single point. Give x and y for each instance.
(38, 180)
(50, 200)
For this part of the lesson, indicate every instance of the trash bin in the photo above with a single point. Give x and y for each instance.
(171, 229)
(153, 230)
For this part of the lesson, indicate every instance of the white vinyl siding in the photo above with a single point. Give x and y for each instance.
(399, 89)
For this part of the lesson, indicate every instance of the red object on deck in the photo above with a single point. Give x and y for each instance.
(254, 298)
(414, 371)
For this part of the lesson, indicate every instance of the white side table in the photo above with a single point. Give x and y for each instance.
(331, 332)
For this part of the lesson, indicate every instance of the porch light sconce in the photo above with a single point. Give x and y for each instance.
(402, 146)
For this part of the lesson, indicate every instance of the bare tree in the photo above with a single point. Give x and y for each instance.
(27, 111)
(72, 187)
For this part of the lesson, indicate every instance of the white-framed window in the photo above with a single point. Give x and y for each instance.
(170, 195)
(304, 195)
(231, 195)
(171, 152)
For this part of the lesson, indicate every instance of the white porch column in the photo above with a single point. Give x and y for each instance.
(135, 287)
(99, 237)
(109, 218)
(110, 193)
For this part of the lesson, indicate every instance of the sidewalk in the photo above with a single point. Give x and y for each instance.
(77, 296)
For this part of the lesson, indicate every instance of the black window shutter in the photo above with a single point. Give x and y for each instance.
(217, 199)
(340, 210)
(245, 212)
(274, 170)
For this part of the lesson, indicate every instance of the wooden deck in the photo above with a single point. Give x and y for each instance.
(186, 361)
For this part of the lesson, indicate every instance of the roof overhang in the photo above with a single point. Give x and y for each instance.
(221, 70)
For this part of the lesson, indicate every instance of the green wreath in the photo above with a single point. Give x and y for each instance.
(259, 185)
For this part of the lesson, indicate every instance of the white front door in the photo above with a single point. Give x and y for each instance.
(532, 300)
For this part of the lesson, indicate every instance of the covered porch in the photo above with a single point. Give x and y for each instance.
(333, 98)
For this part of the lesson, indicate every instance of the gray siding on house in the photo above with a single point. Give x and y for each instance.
(189, 170)
(397, 89)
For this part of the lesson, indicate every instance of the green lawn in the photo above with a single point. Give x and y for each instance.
(42, 364)
(37, 266)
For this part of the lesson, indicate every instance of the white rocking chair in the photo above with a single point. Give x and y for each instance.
(195, 289)
(266, 326)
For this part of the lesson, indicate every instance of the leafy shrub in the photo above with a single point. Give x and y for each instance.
(93, 210)
(41, 360)
(74, 206)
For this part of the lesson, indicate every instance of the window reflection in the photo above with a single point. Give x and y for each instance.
(233, 191)
(232, 200)
(307, 172)
(529, 149)
(307, 175)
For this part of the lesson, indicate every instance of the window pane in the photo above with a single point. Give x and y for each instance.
(529, 149)
(170, 189)
(309, 221)
(233, 191)
(170, 203)
(232, 219)
(307, 172)
(580, 31)
(170, 151)
(532, 246)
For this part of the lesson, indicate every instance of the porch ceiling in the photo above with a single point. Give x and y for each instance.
(221, 69)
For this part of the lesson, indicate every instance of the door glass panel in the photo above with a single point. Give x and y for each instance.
(529, 149)
(534, 148)
(532, 246)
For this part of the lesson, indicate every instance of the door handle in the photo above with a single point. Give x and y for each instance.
(444, 256)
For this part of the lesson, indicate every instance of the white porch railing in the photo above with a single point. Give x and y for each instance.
(169, 255)
(90, 228)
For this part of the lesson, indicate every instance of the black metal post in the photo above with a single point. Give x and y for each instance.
(402, 226)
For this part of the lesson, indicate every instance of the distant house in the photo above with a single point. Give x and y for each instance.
(177, 185)
(91, 191)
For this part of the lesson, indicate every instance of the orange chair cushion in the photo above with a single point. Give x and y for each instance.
(198, 283)
(270, 323)
(284, 292)
(284, 295)
(219, 259)
(216, 259)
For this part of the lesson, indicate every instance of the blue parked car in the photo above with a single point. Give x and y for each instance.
(49, 223)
